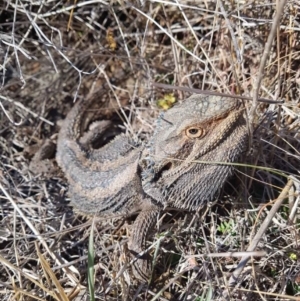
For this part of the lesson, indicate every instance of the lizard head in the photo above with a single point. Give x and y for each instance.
(188, 158)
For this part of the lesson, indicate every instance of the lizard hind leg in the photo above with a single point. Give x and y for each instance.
(142, 227)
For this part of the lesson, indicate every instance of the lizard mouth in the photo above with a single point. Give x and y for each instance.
(163, 169)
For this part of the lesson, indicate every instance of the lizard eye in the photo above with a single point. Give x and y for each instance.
(194, 132)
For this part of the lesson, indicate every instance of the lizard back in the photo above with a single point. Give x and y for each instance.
(102, 181)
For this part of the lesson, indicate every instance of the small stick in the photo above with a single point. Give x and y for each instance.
(275, 24)
(235, 275)
(209, 92)
(230, 254)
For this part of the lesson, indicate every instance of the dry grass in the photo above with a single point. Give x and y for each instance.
(52, 52)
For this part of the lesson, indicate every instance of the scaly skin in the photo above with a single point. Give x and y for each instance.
(101, 181)
(184, 165)
(177, 165)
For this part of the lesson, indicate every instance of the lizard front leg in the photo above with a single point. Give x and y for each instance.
(142, 227)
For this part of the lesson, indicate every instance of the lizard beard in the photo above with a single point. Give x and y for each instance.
(188, 186)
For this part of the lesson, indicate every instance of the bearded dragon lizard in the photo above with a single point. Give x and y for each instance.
(184, 164)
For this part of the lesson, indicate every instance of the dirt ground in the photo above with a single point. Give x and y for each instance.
(53, 53)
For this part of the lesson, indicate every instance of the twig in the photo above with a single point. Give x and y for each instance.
(230, 254)
(8, 117)
(20, 105)
(71, 277)
(209, 92)
(235, 44)
(275, 24)
(235, 275)
(169, 35)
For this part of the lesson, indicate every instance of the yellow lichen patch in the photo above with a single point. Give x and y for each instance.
(293, 256)
(166, 102)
